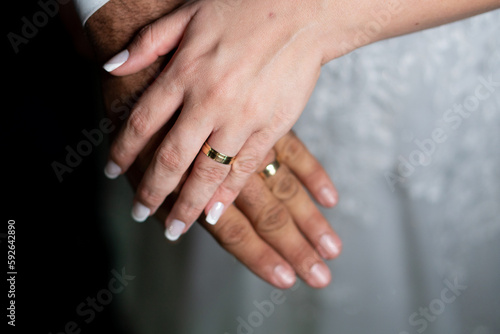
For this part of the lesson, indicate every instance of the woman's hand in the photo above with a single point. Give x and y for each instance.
(242, 73)
(274, 227)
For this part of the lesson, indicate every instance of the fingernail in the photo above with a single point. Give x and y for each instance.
(174, 230)
(140, 212)
(328, 196)
(284, 275)
(320, 275)
(328, 244)
(116, 61)
(215, 213)
(112, 170)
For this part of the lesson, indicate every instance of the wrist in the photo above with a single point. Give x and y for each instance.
(348, 26)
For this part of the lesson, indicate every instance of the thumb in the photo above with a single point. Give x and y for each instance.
(154, 40)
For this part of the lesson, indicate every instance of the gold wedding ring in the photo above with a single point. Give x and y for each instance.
(270, 169)
(217, 156)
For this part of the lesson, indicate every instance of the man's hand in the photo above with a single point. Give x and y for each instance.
(274, 227)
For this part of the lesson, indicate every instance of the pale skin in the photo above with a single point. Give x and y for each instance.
(274, 227)
(241, 74)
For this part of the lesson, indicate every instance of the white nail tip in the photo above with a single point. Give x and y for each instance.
(328, 244)
(284, 275)
(140, 212)
(320, 274)
(116, 61)
(174, 230)
(215, 213)
(328, 196)
(112, 170)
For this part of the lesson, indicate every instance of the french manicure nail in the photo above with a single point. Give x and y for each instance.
(328, 196)
(112, 170)
(320, 275)
(116, 61)
(328, 244)
(174, 230)
(285, 275)
(215, 213)
(140, 212)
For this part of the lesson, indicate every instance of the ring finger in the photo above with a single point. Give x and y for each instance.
(274, 223)
(209, 171)
(285, 186)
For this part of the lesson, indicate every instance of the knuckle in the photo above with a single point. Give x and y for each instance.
(189, 209)
(118, 153)
(272, 218)
(226, 191)
(245, 165)
(218, 94)
(305, 262)
(253, 106)
(209, 173)
(186, 67)
(265, 136)
(282, 118)
(292, 150)
(139, 125)
(315, 219)
(233, 233)
(286, 188)
(150, 197)
(222, 90)
(169, 160)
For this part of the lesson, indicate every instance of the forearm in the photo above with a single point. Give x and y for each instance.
(363, 22)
